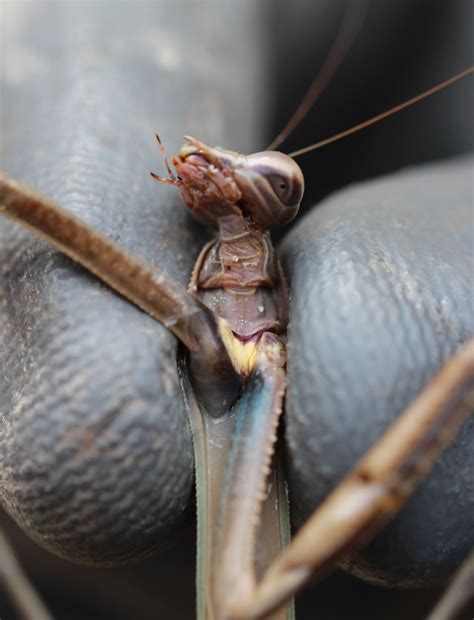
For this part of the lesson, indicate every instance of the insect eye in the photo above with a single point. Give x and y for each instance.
(272, 186)
(281, 173)
(279, 184)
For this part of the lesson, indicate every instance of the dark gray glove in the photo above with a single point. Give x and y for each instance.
(381, 286)
(95, 453)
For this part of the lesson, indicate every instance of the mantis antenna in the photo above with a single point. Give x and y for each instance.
(349, 28)
(379, 117)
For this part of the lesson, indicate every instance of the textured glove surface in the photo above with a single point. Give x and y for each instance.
(95, 452)
(381, 297)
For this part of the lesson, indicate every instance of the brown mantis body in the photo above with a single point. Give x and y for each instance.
(238, 276)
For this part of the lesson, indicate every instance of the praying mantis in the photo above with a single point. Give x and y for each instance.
(210, 336)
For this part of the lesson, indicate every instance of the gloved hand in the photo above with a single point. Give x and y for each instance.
(95, 453)
(381, 289)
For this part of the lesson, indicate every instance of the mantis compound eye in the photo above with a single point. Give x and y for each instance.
(272, 186)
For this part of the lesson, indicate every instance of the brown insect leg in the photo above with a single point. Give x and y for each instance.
(459, 594)
(186, 317)
(17, 585)
(376, 488)
(235, 494)
(256, 421)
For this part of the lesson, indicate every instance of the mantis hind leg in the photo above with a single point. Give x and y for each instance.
(459, 596)
(248, 468)
(241, 493)
(376, 488)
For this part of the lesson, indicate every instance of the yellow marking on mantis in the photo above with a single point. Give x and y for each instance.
(242, 354)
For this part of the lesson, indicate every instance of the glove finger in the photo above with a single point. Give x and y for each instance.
(381, 287)
(95, 452)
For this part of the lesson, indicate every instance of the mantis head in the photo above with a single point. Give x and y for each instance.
(267, 187)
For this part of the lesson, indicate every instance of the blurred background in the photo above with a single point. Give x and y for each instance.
(231, 73)
(402, 49)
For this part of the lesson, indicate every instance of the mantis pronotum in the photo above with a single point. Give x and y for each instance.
(176, 325)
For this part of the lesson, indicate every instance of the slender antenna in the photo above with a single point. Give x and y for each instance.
(348, 30)
(379, 117)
